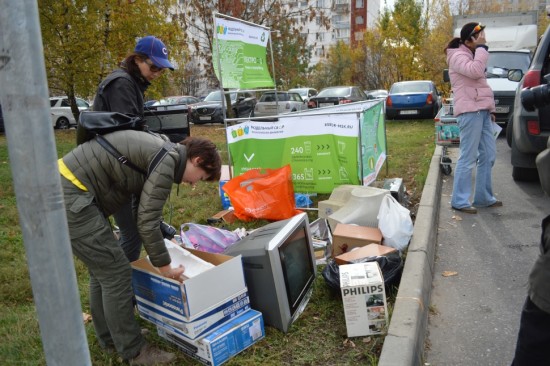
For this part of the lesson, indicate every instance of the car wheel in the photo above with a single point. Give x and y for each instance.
(62, 123)
(509, 133)
(525, 174)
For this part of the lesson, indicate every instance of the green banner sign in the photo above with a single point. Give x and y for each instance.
(322, 149)
(241, 51)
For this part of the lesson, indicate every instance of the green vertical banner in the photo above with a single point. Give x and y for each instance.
(241, 51)
(373, 142)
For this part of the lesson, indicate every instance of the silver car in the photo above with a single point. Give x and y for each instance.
(287, 102)
(305, 93)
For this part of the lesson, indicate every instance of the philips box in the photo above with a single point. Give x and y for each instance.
(218, 315)
(364, 298)
(222, 343)
(220, 279)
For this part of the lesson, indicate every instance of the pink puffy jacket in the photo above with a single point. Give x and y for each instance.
(471, 93)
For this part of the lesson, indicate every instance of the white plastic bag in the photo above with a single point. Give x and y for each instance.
(395, 223)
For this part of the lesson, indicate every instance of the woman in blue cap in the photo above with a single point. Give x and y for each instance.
(123, 91)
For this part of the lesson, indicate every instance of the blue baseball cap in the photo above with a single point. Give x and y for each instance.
(155, 50)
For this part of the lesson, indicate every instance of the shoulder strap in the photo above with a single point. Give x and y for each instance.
(159, 156)
(125, 161)
(121, 158)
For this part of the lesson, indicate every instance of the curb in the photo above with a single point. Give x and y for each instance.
(404, 343)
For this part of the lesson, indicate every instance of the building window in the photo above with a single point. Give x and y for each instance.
(359, 4)
(359, 19)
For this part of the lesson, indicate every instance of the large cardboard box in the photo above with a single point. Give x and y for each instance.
(346, 237)
(206, 294)
(222, 312)
(364, 298)
(222, 343)
(369, 250)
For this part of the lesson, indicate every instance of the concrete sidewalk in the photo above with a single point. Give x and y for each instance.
(408, 324)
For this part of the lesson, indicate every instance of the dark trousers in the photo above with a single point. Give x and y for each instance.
(533, 344)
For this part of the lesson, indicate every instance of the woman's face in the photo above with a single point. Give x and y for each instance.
(148, 70)
(193, 173)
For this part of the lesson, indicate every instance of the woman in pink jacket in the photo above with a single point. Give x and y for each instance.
(474, 107)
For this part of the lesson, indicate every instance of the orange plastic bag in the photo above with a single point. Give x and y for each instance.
(267, 194)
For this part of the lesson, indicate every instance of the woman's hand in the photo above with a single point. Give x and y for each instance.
(172, 273)
(480, 38)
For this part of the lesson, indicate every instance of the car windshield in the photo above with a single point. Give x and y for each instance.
(412, 87)
(215, 96)
(334, 92)
(270, 97)
(500, 62)
(302, 92)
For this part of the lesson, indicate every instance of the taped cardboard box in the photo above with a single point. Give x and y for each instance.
(196, 297)
(364, 298)
(223, 342)
(346, 237)
(369, 250)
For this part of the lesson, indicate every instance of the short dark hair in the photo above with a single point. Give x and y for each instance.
(210, 160)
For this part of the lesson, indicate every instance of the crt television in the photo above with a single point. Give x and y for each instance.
(279, 269)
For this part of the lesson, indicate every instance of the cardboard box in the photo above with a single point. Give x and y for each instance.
(364, 299)
(369, 250)
(222, 343)
(221, 313)
(346, 237)
(194, 297)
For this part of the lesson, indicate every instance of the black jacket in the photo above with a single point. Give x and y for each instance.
(121, 92)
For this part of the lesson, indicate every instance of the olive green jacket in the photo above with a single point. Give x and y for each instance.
(113, 183)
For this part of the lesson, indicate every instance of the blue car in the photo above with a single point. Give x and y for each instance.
(413, 99)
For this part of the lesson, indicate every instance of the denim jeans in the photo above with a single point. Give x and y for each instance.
(477, 148)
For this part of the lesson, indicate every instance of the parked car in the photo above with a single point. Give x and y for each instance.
(210, 109)
(149, 103)
(62, 116)
(305, 93)
(377, 94)
(287, 101)
(413, 99)
(181, 99)
(335, 95)
(528, 131)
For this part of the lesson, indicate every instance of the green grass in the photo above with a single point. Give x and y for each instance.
(319, 335)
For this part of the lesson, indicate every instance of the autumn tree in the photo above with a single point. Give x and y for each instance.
(84, 40)
(291, 53)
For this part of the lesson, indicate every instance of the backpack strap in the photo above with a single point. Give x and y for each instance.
(121, 158)
(125, 161)
(159, 156)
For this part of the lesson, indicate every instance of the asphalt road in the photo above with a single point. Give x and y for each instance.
(474, 314)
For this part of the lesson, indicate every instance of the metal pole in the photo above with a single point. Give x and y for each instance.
(37, 184)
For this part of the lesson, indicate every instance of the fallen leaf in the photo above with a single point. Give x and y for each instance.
(449, 273)
(457, 218)
(349, 343)
(86, 318)
(367, 340)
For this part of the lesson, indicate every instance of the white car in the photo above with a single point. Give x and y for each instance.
(288, 102)
(60, 110)
(305, 93)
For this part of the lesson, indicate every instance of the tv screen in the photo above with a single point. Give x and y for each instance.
(279, 268)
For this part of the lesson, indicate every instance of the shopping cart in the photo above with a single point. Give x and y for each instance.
(447, 135)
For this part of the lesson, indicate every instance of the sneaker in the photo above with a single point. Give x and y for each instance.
(151, 355)
(467, 209)
(497, 203)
